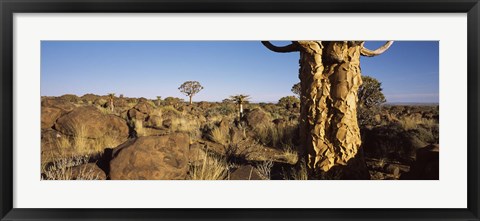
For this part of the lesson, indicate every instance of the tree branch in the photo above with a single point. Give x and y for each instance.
(289, 48)
(369, 53)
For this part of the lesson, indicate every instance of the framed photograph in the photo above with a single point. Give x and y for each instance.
(199, 110)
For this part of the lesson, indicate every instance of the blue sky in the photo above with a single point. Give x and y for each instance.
(408, 70)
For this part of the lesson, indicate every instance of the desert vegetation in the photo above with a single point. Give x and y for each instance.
(82, 138)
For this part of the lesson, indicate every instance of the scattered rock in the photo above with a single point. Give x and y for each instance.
(144, 107)
(245, 172)
(167, 123)
(137, 115)
(154, 122)
(152, 158)
(49, 116)
(257, 117)
(88, 122)
(426, 165)
(58, 103)
(196, 154)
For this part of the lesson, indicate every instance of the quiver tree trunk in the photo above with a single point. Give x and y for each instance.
(330, 78)
(240, 111)
(329, 133)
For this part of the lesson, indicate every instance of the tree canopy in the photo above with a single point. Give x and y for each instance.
(370, 93)
(296, 89)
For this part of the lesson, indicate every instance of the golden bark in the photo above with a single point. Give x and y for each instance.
(330, 77)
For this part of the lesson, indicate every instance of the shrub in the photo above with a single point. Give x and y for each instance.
(289, 102)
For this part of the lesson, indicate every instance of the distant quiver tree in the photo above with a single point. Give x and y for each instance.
(190, 88)
(240, 99)
(111, 97)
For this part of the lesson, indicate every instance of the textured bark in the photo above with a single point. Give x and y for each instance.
(240, 111)
(330, 77)
(329, 133)
(111, 105)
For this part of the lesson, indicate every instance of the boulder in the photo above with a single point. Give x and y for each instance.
(197, 154)
(144, 107)
(426, 165)
(152, 158)
(154, 121)
(246, 172)
(279, 122)
(89, 122)
(49, 116)
(257, 117)
(167, 123)
(120, 102)
(70, 98)
(49, 138)
(89, 98)
(58, 103)
(135, 114)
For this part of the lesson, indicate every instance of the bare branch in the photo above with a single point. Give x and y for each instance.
(289, 48)
(369, 53)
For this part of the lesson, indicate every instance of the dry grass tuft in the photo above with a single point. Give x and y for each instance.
(300, 173)
(62, 170)
(411, 122)
(280, 136)
(212, 168)
(264, 169)
(290, 155)
(220, 135)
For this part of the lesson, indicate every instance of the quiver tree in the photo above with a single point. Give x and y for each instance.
(370, 97)
(370, 93)
(111, 98)
(240, 99)
(329, 80)
(190, 88)
(159, 101)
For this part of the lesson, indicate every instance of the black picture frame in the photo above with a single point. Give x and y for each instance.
(9, 7)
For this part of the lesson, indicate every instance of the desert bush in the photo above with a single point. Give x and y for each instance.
(61, 169)
(289, 102)
(392, 141)
(220, 135)
(212, 168)
(369, 116)
(188, 125)
(280, 136)
(70, 98)
(223, 109)
(80, 145)
(290, 155)
(173, 101)
(264, 169)
(297, 172)
(413, 122)
(370, 98)
(105, 110)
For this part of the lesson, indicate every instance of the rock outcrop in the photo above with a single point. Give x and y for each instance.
(152, 158)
